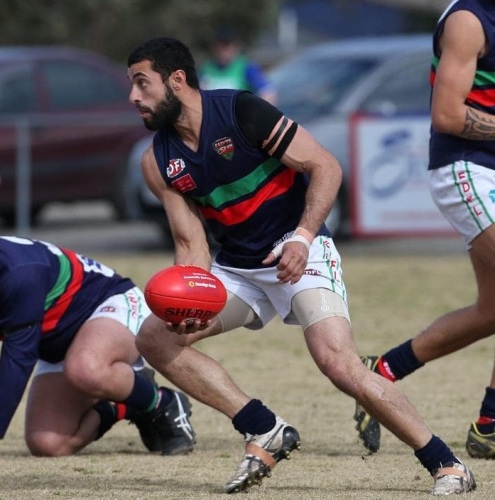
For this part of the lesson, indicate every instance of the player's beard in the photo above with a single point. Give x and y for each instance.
(167, 112)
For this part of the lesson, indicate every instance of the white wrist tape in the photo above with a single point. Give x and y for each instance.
(277, 251)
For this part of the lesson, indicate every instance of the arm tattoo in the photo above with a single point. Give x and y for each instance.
(477, 127)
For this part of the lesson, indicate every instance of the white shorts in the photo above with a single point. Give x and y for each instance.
(260, 289)
(129, 309)
(465, 194)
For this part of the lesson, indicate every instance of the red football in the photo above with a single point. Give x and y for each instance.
(185, 292)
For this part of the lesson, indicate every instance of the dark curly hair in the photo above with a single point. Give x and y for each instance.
(166, 55)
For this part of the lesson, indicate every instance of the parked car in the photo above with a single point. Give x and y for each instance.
(64, 111)
(323, 86)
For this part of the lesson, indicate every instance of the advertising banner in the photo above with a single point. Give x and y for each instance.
(390, 193)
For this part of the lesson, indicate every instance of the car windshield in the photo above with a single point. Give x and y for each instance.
(310, 88)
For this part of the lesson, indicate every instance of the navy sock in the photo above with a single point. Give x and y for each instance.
(254, 418)
(106, 410)
(144, 394)
(435, 455)
(488, 404)
(402, 360)
(166, 395)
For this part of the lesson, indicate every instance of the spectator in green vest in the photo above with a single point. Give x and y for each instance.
(229, 68)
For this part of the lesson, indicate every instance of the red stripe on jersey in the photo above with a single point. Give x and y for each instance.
(245, 209)
(121, 411)
(53, 315)
(432, 77)
(484, 97)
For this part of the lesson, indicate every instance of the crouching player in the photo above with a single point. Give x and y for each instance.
(71, 322)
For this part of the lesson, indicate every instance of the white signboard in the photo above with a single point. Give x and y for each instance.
(390, 193)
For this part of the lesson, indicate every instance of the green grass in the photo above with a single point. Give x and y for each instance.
(391, 299)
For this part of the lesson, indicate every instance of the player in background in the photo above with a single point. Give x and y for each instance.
(73, 321)
(265, 187)
(229, 68)
(462, 184)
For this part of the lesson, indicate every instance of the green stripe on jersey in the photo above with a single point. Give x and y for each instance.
(482, 78)
(239, 188)
(60, 286)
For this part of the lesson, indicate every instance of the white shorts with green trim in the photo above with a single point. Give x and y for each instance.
(261, 291)
(129, 309)
(465, 194)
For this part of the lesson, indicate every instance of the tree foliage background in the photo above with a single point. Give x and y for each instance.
(114, 27)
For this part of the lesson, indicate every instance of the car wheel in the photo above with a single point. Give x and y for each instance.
(169, 241)
(126, 197)
(334, 220)
(338, 222)
(9, 218)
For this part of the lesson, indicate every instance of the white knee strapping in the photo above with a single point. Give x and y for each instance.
(315, 304)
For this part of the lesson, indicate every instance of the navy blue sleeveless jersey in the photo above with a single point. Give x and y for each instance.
(446, 148)
(46, 294)
(248, 199)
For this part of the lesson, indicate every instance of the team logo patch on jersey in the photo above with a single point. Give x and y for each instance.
(224, 147)
(175, 167)
(184, 183)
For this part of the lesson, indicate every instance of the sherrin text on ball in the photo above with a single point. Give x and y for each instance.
(182, 292)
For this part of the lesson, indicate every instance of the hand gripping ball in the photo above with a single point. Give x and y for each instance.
(185, 293)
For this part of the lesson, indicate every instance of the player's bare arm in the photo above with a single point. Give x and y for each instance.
(462, 43)
(191, 246)
(305, 154)
(280, 137)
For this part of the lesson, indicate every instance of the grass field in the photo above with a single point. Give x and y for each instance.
(391, 299)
